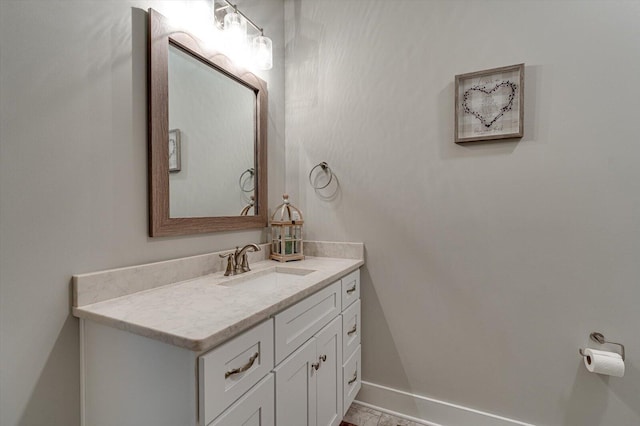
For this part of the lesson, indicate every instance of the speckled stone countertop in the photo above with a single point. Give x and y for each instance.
(202, 312)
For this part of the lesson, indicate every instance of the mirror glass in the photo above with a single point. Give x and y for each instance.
(212, 120)
(207, 137)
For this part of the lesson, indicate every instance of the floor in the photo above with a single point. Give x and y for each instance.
(359, 415)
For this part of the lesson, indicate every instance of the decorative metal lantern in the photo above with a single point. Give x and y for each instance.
(286, 232)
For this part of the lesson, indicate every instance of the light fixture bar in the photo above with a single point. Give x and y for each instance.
(235, 8)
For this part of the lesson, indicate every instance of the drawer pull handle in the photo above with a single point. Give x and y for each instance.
(353, 330)
(351, 290)
(243, 368)
(353, 379)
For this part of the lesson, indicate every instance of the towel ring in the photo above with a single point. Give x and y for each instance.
(325, 167)
(252, 172)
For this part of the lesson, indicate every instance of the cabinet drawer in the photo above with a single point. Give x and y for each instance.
(351, 378)
(350, 288)
(300, 322)
(350, 329)
(225, 373)
(255, 408)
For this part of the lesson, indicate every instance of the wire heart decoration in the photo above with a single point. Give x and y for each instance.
(468, 94)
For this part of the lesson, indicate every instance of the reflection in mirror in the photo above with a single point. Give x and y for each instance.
(216, 119)
(207, 137)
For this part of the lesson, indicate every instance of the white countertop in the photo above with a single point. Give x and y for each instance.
(200, 313)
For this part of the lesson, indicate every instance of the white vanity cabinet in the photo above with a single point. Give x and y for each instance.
(301, 366)
(308, 382)
(316, 384)
(132, 380)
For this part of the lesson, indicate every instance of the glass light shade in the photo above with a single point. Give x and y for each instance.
(235, 28)
(263, 52)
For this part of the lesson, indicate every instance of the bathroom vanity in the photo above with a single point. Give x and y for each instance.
(178, 343)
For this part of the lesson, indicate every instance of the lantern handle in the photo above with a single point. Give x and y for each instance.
(325, 167)
(247, 208)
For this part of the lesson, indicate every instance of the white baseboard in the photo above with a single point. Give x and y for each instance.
(427, 411)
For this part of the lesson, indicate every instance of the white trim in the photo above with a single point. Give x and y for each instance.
(427, 411)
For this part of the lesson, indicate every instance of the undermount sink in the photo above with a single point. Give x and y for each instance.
(269, 278)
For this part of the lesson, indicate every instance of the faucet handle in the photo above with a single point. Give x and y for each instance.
(231, 267)
(245, 263)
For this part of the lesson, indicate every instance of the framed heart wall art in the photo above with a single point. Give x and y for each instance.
(490, 104)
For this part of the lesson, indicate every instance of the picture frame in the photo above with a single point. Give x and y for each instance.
(174, 151)
(489, 104)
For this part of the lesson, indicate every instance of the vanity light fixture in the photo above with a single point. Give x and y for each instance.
(235, 29)
(234, 24)
(263, 52)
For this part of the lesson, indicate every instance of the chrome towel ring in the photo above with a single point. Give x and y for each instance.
(325, 168)
(252, 172)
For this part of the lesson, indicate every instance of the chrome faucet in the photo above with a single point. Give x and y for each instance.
(238, 261)
(242, 260)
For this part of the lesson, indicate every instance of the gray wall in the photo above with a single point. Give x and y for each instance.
(73, 184)
(487, 264)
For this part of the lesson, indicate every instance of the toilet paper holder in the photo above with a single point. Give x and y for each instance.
(599, 338)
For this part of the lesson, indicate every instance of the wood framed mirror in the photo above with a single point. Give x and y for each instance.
(207, 145)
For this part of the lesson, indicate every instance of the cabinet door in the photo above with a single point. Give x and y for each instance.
(329, 374)
(255, 408)
(296, 388)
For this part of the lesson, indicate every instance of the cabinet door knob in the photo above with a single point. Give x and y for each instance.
(243, 368)
(322, 358)
(315, 365)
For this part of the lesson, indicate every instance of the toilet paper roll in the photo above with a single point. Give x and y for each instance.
(604, 362)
